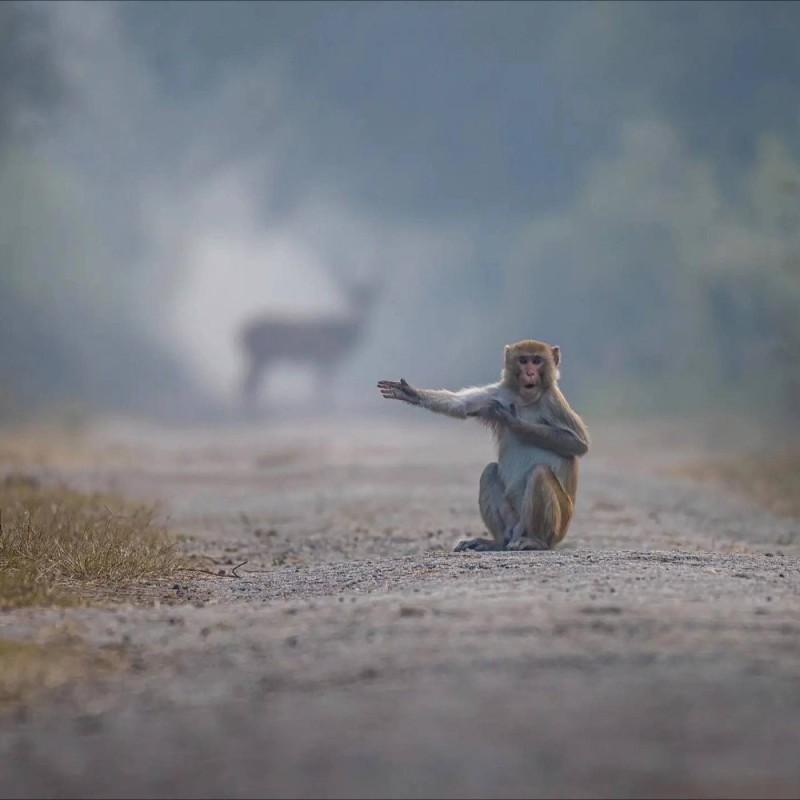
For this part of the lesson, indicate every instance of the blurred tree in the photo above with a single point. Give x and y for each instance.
(31, 89)
(30, 94)
(67, 336)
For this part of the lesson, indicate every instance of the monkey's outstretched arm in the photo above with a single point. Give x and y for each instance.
(467, 402)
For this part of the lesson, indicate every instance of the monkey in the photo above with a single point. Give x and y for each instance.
(527, 497)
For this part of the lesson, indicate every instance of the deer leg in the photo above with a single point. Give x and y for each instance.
(252, 380)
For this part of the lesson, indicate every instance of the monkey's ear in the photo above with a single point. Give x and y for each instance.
(506, 350)
(556, 350)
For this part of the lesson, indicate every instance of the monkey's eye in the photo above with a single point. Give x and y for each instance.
(536, 360)
(523, 359)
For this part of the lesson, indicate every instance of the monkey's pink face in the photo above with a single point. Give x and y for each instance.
(530, 367)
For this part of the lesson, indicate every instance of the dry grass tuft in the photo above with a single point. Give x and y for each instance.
(55, 539)
(772, 481)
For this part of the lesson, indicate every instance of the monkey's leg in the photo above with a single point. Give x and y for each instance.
(546, 513)
(496, 513)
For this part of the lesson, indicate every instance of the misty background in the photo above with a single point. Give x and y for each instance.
(621, 179)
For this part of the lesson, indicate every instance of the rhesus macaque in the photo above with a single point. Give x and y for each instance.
(527, 496)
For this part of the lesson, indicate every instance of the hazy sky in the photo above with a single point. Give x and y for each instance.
(570, 171)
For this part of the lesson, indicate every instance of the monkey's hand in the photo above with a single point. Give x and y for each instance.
(497, 412)
(392, 390)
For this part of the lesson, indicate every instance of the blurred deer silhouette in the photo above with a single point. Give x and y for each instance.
(321, 342)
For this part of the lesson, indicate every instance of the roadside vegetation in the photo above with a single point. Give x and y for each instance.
(61, 547)
(773, 481)
(56, 541)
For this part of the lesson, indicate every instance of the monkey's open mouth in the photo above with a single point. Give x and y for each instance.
(530, 385)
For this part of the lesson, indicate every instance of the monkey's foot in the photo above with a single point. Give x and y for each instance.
(526, 543)
(515, 531)
(478, 545)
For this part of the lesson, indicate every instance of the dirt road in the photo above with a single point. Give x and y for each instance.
(654, 654)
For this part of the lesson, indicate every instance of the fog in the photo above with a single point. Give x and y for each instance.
(622, 179)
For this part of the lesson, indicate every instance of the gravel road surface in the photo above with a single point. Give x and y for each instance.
(654, 654)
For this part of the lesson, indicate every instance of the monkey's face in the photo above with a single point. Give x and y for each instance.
(531, 368)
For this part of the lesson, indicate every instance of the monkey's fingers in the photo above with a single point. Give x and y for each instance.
(391, 390)
(503, 413)
(402, 390)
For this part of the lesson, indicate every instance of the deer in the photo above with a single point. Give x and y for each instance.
(322, 342)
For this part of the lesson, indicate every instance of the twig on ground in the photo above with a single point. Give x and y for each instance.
(221, 574)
